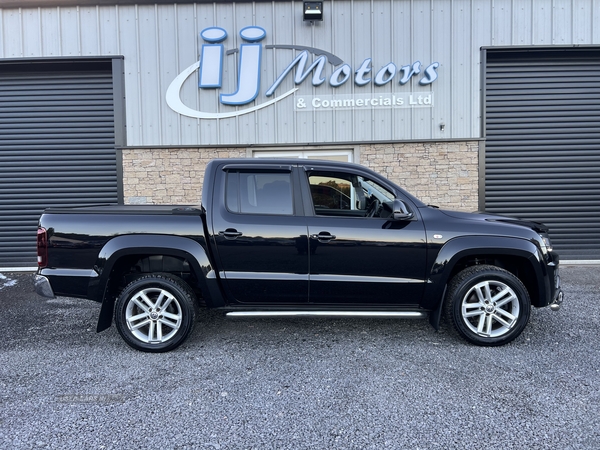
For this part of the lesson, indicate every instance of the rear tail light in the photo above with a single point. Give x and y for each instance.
(42, 247)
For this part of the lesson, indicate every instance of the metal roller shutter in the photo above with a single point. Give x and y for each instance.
(57, 147)
(542, 150)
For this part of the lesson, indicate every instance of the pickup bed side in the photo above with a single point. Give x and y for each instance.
(96, 265)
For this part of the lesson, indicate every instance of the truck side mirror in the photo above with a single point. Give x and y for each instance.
(401, 212)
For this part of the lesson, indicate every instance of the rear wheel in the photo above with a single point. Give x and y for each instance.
(155, 313)
(487, 305)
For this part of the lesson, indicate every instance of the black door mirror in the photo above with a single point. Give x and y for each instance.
(401, 212)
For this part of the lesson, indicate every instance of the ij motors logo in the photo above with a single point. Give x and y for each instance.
(213, 57)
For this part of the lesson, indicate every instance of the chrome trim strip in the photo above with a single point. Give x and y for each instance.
(83, 273)
(363, 279)
(404, 314)
(271, 276)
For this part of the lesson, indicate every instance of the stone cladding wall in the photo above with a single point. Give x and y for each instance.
(444, 174)
(168, 176)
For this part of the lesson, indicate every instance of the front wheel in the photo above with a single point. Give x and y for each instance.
(488, 305)
(155, 313)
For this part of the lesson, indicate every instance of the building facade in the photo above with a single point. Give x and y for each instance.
(468, 104)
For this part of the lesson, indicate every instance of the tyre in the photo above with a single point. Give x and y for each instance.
(155, 313)
(487, 305)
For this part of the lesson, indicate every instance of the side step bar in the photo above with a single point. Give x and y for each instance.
(403, 314)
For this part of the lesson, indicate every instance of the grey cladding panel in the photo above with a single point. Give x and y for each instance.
(57, 147)
(542, 121)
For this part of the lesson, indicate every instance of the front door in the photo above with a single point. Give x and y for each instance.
(357, 254)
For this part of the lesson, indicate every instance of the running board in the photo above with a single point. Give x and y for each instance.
(403, 314)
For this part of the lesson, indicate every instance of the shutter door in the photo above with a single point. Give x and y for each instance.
(57, 148)
(542, 162)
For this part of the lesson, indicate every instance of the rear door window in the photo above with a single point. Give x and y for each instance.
(249, 192)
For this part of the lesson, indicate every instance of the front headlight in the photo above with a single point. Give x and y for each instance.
(547, 245)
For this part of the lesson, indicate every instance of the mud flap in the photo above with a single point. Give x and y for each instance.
(436, 314)
(106, 312)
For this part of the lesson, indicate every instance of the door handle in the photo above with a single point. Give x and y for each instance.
(230, 233)
(323, 236)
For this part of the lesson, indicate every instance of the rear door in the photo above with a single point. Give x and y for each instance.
(260, 233)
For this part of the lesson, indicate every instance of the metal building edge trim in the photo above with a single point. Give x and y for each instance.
(534, 48)
(51, 59)
(294, 145)
(15, 4)
(582, 262)
(18, 269)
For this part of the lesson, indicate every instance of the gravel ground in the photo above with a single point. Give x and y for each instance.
(298, 383)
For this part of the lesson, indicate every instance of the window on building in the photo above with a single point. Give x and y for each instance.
(347, 155)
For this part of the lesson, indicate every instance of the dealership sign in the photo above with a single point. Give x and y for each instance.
(210, 76)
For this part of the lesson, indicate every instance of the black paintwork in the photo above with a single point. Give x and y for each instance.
(300, 260)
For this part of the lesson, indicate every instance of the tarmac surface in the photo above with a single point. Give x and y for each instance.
(298, 383)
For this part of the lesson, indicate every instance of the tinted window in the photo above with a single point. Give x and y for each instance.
(259, 193)
(347, 194)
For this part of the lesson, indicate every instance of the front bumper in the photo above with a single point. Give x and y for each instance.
(557, 292)
(555, 305)
(43, 287)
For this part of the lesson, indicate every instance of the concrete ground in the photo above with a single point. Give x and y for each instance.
(298, 383)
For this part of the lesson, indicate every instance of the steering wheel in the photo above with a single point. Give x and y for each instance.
(373, 207)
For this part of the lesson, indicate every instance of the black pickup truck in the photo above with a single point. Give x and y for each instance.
(297, 237)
